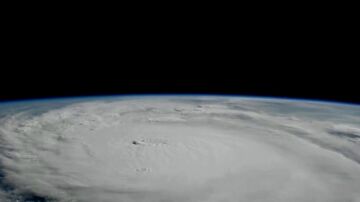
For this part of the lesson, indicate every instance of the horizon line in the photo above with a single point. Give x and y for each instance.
(244, 96)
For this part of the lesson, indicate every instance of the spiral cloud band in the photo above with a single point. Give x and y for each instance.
(175, 148)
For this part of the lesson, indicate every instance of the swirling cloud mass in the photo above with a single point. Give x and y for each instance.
(179, 149)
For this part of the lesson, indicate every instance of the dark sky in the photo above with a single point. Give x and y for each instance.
(299, 59)
(294, 68)
(99, 79)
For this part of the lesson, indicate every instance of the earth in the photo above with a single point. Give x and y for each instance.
(193, 148)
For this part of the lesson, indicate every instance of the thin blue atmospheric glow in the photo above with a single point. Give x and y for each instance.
(124, 96)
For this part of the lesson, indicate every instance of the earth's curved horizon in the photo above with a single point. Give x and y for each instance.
(157, 95)
(179, 147)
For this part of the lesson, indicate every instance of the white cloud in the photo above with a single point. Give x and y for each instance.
(183, 151)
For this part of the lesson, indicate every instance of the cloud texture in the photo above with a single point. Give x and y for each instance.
(180, 149)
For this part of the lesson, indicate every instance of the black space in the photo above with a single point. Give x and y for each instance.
(100, 70)
(267, 56)
(293, 82)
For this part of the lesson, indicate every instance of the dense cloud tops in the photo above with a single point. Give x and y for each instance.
(179, 149)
